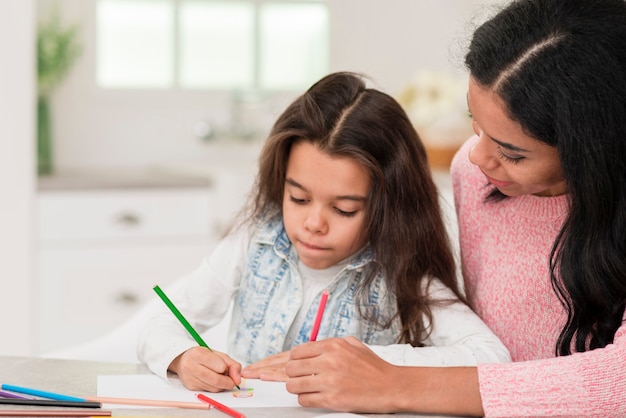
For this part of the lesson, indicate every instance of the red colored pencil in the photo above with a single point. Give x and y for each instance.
(225, 409)
(318, 317)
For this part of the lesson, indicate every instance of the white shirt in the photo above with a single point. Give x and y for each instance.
(458, 338)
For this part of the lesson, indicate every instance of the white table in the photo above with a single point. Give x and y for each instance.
(79, 378)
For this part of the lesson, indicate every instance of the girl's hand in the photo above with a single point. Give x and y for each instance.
(202, 369)
(270, 368)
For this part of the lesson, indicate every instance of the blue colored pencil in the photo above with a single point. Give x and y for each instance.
(41, 393)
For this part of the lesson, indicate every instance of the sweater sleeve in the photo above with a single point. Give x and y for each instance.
(589, 384)
(203, 297)
(458, 337)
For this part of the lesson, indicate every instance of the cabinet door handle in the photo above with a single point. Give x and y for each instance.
(128, 219)
(126, 298)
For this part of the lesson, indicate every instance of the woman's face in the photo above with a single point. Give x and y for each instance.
(515, 163)
(324, 205)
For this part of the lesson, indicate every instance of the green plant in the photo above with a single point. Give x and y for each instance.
(57, 50)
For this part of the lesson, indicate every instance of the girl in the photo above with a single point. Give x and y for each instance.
(344, 202)
(540, 193)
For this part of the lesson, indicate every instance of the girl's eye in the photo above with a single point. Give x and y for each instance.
(297, 201)
(304, 201)
(347, 214)
(508, 158)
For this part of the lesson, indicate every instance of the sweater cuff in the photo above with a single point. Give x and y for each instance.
(532, 388)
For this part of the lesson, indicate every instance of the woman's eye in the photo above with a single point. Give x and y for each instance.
(508, 158)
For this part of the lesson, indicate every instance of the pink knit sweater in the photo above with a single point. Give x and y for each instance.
(505, 249)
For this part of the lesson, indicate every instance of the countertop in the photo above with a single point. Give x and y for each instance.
(120, 179)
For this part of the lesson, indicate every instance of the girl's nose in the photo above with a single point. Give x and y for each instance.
(315, 221)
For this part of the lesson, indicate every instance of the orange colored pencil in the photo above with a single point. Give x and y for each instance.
(148, 402)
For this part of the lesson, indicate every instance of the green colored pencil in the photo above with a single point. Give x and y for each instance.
(182, 319)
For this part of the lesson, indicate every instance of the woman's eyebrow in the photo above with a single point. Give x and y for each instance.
(497, 141)
(509, 146)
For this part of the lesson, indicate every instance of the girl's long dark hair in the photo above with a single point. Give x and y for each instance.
(404, 225)
(560, 66)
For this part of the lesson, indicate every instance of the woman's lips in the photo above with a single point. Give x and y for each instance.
(497, 183)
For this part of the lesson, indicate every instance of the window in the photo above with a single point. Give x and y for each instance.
(209, 44)
(216, 44)
(135, 47)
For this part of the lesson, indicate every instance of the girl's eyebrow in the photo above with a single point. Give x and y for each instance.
(355, 198)
(294, 183)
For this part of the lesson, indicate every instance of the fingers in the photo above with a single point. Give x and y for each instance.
(270, 368)
(313, 357)
(316, 348)
(315, 399)
(201, 369)
(277, 375)
(302, 384)
(310, 349)
(302, 367)
(341, 374)
(354, 341)
(234, 372)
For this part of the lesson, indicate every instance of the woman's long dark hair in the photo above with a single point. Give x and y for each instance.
(560, 66)
(404, 225)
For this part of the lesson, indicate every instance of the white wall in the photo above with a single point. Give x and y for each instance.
(389, 40)
(17, 182)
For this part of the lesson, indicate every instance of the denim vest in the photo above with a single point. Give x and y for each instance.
(270, 295)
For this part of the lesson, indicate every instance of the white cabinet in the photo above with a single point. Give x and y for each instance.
(101, 252)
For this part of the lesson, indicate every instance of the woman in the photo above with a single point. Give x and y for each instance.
(541, 199)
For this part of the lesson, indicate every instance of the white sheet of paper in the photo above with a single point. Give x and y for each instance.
(339, 415)
(266, 394)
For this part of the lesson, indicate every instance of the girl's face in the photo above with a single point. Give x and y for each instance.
(324, 205)
(515, 163)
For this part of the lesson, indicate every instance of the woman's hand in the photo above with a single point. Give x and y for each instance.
(270, 368)
(202, 369)
(345, 375)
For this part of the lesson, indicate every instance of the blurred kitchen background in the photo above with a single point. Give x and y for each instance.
(150, 115)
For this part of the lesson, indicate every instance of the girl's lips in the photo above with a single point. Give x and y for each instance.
(310, 246)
